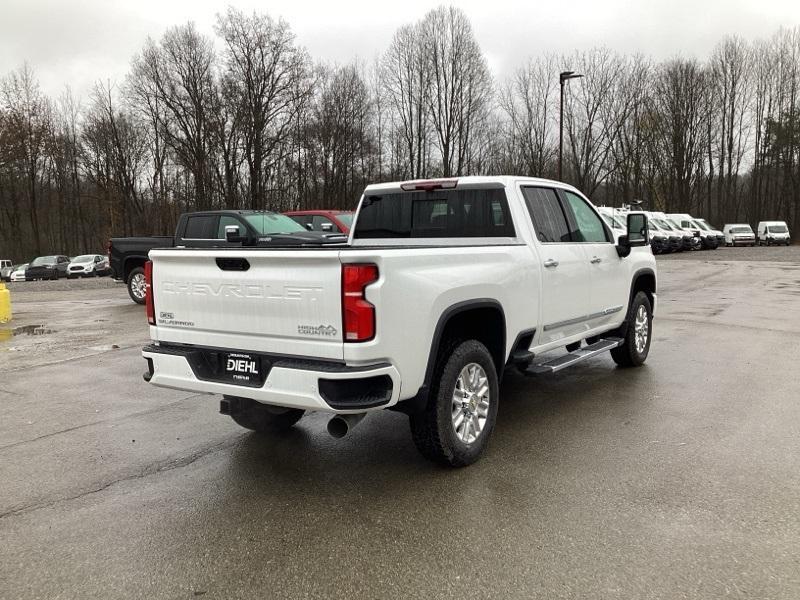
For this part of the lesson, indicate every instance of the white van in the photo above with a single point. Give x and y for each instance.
(739, 234)
(708, 240)
(773, 232)
(719, 235)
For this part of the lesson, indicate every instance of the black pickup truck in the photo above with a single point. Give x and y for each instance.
(210, 229)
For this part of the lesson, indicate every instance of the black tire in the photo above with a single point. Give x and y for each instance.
(263, 418)
(133, 288)
(433, 429)
(627, 355)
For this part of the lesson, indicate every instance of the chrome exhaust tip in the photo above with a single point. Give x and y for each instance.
(340, 425)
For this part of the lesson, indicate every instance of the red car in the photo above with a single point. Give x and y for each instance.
(335, 221)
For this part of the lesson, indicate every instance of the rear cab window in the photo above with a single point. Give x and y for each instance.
(200, 227)
(448, 213)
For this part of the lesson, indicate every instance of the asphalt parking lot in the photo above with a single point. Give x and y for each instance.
(677, 480)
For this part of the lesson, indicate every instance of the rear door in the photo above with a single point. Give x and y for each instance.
(565, 267)
(259, 300)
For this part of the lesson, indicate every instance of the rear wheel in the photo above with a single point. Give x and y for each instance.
(137, 285)
(636, 344)
(455, 426)
(263, 418)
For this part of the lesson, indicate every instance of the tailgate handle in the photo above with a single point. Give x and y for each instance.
(233, 264)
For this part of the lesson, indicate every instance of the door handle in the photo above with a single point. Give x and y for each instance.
(550, 263)
(596, 260)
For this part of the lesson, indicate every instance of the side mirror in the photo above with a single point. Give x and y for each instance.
(233, 234)
(310, 226)
(637, 234)
(327, 227)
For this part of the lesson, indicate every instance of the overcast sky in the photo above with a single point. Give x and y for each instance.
(76, 42)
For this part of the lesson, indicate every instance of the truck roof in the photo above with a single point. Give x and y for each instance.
(472, 181)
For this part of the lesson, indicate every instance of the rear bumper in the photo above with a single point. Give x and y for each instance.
(292, 383)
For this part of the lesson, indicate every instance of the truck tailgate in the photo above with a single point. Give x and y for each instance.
(277, 301)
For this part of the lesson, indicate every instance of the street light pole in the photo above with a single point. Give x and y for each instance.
(562, 78)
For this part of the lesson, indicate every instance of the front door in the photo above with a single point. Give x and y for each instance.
(608, 273)
(565, 269)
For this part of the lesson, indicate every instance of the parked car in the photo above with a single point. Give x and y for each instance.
(717, 233)
(89, 265)
(519, 267)
(329, 221)
(6, 268)
(19, 273)
(47, 267)
(739, 234)
(127, 256)
(674, 237)
(708, 240)
(773, 232)
(689, 238)
(707, 235)
(614, 219)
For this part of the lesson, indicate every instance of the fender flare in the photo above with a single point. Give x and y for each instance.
(639, 273)
(418, 402)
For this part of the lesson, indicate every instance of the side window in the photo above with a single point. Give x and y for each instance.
(590, 227)
(224, 221)
(304, 220)
(548, 217)
(200, 227)
(318, 221)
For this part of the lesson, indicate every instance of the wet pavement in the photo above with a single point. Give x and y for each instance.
(677, 480)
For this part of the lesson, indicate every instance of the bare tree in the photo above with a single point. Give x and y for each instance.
(28, 116)
(406, 81)
(267, 78)
(527, 102)
(179, 73)
(460, 84)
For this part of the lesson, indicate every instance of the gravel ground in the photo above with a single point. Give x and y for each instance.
(63, 285)
(675, 481)
(741, 253)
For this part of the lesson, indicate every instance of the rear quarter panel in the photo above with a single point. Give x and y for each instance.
(417, 286)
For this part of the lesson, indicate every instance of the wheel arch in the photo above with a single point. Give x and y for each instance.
(482, 319)
(130, 263)
(643, 280)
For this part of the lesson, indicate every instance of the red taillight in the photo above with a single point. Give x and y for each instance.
(358, 315)
(149, 305)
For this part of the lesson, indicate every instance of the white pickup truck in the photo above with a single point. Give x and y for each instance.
(442, 285)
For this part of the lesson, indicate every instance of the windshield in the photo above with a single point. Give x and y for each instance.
(675, 224)
(741, 229)
(707, 224)
(700, 225)
(272, 223)
(44, 260)
(777, 229)
(346, 218)
(84, 258)
(664, 225)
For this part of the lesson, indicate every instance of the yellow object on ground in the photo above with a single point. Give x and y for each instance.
(5, 304)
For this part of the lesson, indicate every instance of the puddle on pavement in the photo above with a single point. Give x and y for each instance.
(7, 334)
